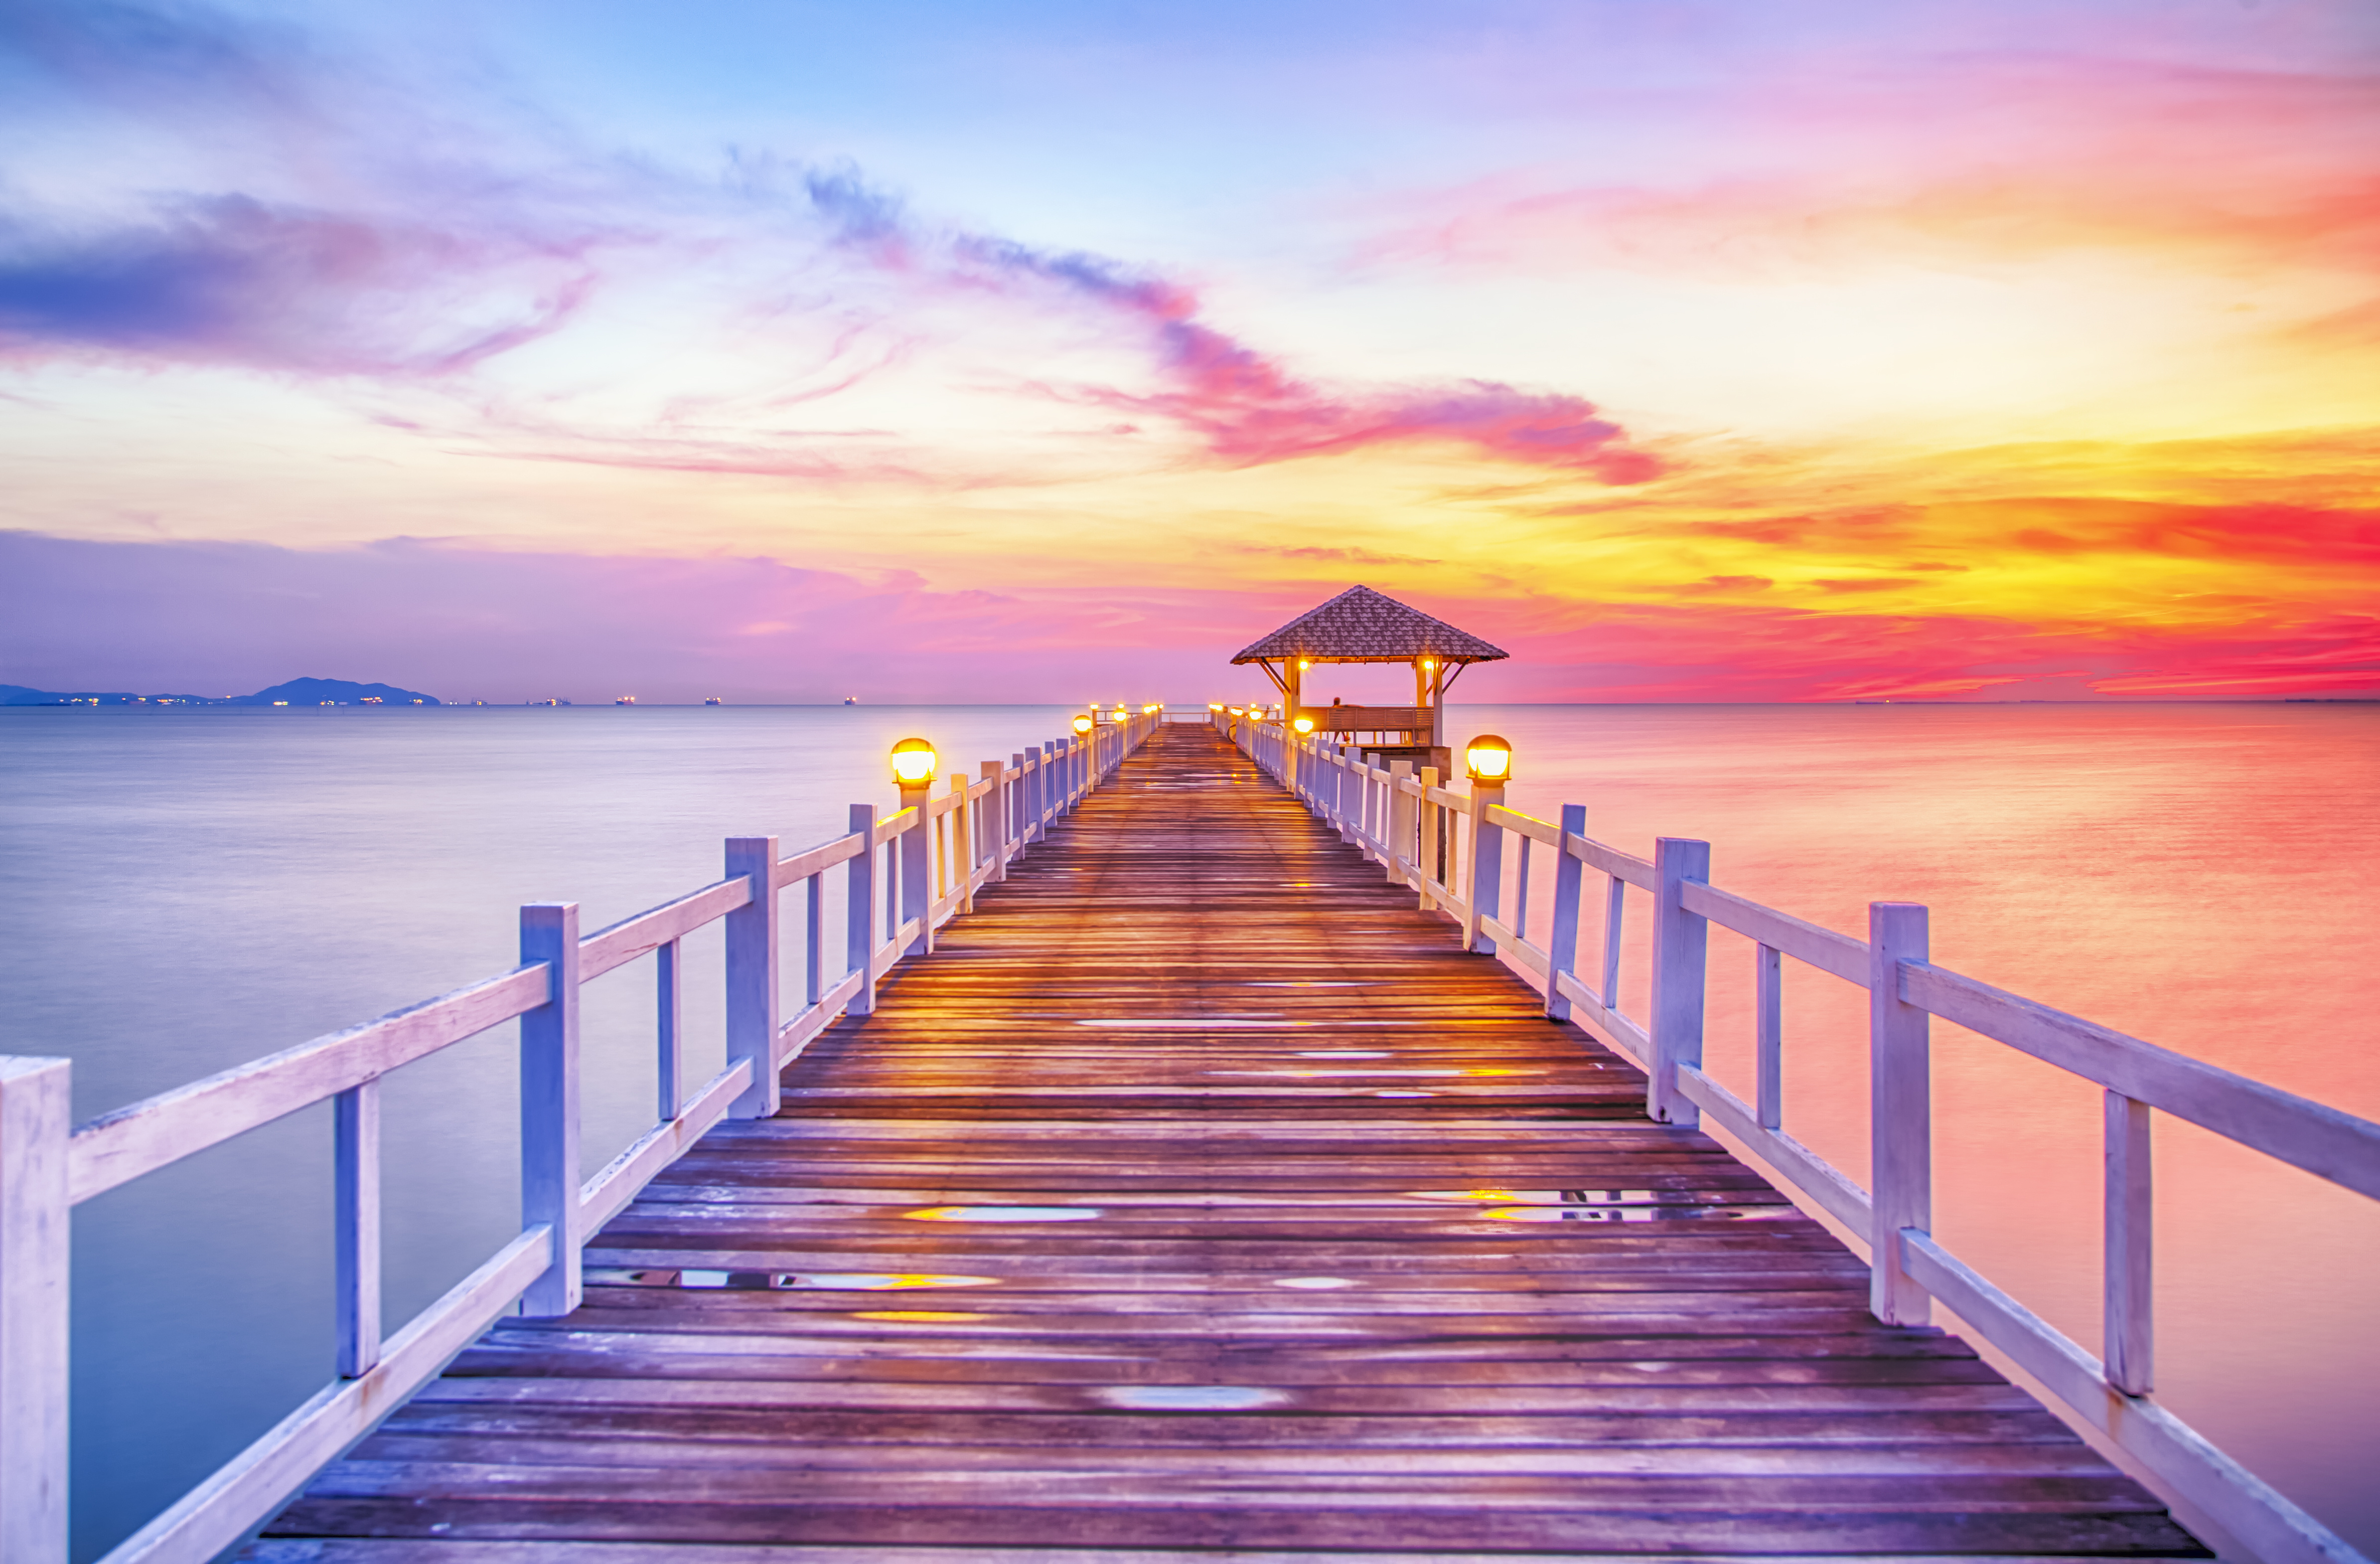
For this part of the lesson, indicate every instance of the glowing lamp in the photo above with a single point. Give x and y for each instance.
(1214, 706)
(1488, 759)
(1303, 724)
(913, 763)
(1427, 664)
(1304, 663)
(1082, 724)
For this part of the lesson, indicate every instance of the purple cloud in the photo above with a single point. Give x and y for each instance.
(229, 279)
(367, 234)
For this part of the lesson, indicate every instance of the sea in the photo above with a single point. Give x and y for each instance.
(184, 890)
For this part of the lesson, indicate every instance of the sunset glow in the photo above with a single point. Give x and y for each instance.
(1689, 351)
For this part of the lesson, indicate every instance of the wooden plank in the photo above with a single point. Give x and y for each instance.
(439, 1550)
(117, 1147)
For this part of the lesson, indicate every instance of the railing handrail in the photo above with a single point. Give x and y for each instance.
(1415, 849)
(947, 849)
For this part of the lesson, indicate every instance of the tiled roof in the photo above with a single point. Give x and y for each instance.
(1361, 622)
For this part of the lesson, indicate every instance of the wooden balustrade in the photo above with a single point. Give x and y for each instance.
(947, 848)
(1396, 818)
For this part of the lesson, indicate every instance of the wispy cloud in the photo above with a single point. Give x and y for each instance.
(1245, 406)
(229, 279)
(431, 247)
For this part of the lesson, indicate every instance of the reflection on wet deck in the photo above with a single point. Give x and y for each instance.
(1223, 1288)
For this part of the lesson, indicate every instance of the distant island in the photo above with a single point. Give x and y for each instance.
(296, 692)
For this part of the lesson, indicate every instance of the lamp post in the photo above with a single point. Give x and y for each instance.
(1487, 759)
(913, 774)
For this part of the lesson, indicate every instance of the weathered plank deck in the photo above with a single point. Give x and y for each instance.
(1166, 1210)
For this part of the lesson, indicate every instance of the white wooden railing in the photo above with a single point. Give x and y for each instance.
(1451, 849)
(908, 874)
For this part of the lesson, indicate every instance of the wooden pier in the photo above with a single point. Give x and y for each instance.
(1199, 1192)
(1189, 1139)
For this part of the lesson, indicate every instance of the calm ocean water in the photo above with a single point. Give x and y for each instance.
(180, 890)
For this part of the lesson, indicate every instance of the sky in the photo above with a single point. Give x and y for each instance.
(1690, 351)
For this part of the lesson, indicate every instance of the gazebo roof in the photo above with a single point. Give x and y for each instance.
(1363, 626)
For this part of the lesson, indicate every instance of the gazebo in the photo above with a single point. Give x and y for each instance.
(1363, 626)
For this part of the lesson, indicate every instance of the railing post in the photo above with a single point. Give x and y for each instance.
(992, 819)
(36, 1118)
(669, 1015)
(1433, 849)
(1900, 1109)
(1401, 820)
(1570, 882)
(752, 975)
(1487, 898)
(355, 1224)
(1768, 1035)
(916, 860)
(813, 939)
(1681, 939)
(859, 909)
(549, 1104)
(2130, 1321)
(1014, 793)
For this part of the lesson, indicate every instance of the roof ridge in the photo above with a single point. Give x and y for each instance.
(1361, 622)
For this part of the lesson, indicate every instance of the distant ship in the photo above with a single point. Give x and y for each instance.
(851, 700)
(626, 700)
(713, 701)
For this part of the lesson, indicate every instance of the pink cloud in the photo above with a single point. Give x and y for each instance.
(1250, 409)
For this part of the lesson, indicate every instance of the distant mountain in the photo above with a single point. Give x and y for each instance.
(296, 692)
(334, 692)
